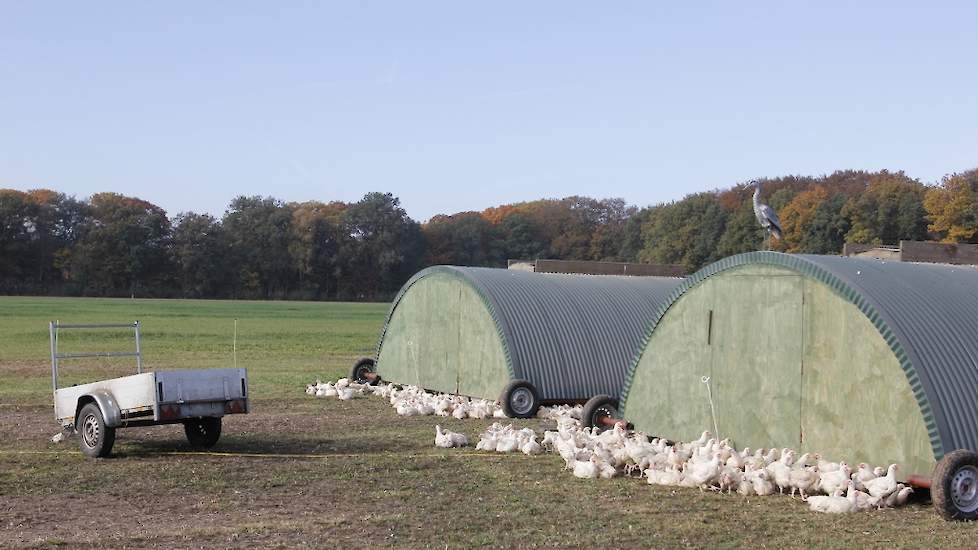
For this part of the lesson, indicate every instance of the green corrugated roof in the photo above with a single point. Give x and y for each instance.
(572, 336)
(926, 313)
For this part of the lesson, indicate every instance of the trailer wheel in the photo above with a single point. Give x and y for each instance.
(361, 369)
(954, 488)
(598, 407)
(520, 399)
(203, 433)
(94, 438)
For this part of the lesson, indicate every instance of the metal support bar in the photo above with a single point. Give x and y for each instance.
(54, 355)
(919, 481)
(139, 354)
(98, 354)
(53, 326)
(127, 325)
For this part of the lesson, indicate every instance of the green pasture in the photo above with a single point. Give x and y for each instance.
(282, 344)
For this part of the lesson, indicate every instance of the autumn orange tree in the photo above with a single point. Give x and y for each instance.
(952, 208)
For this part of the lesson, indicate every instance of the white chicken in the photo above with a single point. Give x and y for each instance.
(780, 470)
(406, 409)
(802, 479)
(669, 476)
(898, 497)
(531, 447)
(834, 478)
(862, 474)
(507, 443)
(825, 466)
(448, 439)
(863, 500)
(586, 469)
(835, 504)
(760, 483)
(701, 474)
(883, 486)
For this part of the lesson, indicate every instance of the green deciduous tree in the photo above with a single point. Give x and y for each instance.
(889, 210)
(199, 256)
(522, 238)
(741, 233)
(684, 232)
(318, 235)
(258, 235)
(123, 249)
(18, 237)
(465, 238)
(385, 248)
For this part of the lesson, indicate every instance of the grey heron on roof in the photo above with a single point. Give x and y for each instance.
(766, 216)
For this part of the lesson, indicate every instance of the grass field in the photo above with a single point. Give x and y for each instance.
(335, 474)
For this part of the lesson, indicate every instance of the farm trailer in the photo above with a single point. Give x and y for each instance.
(198, 399)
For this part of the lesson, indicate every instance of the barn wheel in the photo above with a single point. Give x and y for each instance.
(94, 438)
(203, 433)
(954, 489)
(520, 399)
(598, 407)
(361, 369)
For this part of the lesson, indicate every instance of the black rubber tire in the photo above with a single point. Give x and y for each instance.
(596, 407)
(520, 399)
(361, 367)
(203, 433)
(942, 487)
(95, 439)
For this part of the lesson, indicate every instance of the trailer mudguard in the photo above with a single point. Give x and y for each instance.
(106, 403)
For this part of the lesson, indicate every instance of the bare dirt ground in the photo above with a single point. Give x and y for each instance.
(353, 474)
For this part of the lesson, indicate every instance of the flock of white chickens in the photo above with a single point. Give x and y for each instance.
(706, 463)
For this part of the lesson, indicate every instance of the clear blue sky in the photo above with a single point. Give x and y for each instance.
(454, 106)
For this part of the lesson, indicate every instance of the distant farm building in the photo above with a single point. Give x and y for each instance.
(583, 267)
(917, 251)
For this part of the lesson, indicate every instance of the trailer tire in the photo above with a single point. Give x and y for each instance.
(520, 399)
(597, 407)
(203, 433)
(954, 488)
(361, 368)
(95, 439)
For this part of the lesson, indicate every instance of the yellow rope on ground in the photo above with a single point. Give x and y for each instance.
(274, 455)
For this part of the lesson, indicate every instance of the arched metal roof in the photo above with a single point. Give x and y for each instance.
(926, 313)
(572, 336)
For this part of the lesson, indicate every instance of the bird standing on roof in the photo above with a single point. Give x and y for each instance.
(766, 216)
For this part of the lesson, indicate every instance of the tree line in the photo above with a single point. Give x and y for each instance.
(114, 245)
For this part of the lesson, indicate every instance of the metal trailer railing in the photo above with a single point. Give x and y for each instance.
(55, 326)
